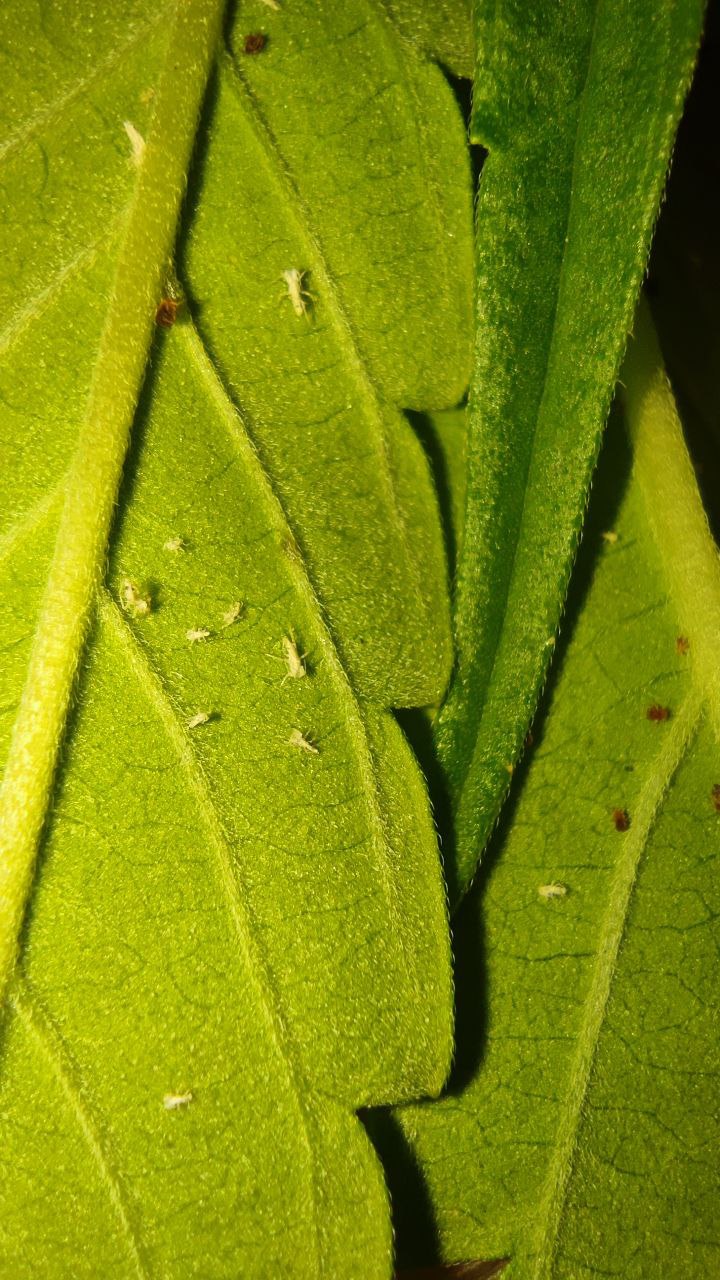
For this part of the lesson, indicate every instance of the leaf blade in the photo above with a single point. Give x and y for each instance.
(254, 934)
(380, 314)
(554, 281)
(94, 479)
(583, 1102)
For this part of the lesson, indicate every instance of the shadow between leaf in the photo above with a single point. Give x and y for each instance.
(416, 1229)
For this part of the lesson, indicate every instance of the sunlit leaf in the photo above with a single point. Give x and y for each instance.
(237, 932)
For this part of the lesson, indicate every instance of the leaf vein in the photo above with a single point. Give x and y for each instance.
(30, 521)
(510, 575)
(667, 762)
(32, 126)
(235, 424)
(53, 1047)
(299, 212)
(257, 971)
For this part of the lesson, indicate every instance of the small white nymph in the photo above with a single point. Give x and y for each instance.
(200, 717)
(300, 297)
(554, 890)
(233, 613)
(294, 660)
(135, 601)
(176, 1101)
(298, 739)
(137, 142)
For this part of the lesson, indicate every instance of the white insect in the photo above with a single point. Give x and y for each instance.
(200, 717)
(175, 544)
(610, 536)
(197, 634)
(136, 602)
(175, 1101)
(299, 296)
(294, 660)
(298, 739)
(554, 890)
(232, 614)
(272, 4)
(137, 142)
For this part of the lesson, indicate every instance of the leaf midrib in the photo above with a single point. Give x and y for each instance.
(679, 527)
(235, 423)
(253, 964)
(498, 650)
(681, 734)
(95, 472)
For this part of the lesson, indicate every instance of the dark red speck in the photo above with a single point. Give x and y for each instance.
(255, 42)
(621, 818)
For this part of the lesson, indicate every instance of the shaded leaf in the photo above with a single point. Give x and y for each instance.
(579, 1132)
(577, 107)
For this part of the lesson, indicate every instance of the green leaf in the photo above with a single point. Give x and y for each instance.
(577, 105)
(237, 933)
(579, 1133)
(443, 29)
(390, 264)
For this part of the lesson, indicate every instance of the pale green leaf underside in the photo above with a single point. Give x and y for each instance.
(577, 105)
(580, 1137)
(216, 911)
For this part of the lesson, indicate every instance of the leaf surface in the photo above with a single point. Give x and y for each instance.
(443, 29)
(577, 106)
(237, 935)
(579, 1133)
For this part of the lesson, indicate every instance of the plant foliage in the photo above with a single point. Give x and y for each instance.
(240, 478)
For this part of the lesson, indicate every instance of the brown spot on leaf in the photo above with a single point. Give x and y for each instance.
(657, 713)
(254, 43)
(621, 818)
(682, 644)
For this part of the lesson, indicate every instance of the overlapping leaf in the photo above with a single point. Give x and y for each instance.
(237, 935)
(579, 1136)
(577, 106)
